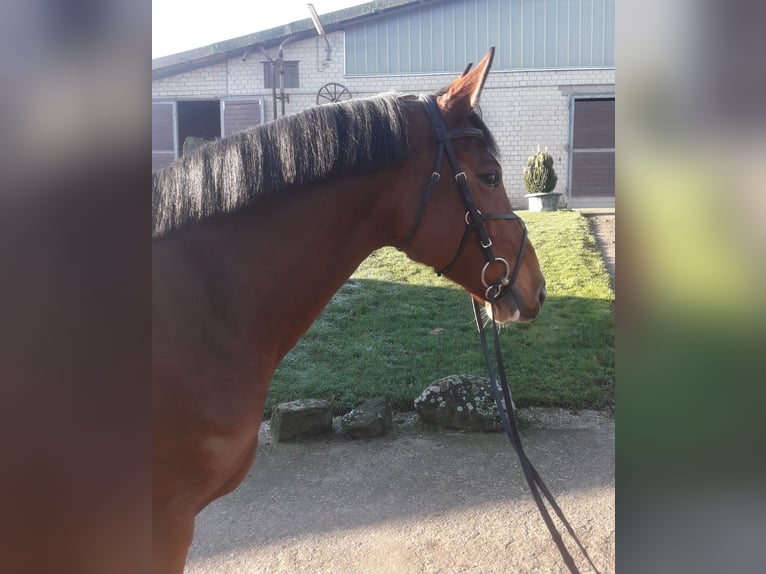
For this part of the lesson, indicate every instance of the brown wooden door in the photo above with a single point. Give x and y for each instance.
(592, 153)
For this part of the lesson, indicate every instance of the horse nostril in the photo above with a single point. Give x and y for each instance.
(543, 295)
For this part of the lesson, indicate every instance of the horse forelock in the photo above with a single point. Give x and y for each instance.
(489, 139)
(314, 145)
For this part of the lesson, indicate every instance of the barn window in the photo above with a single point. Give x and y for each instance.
(291, 75)
(200, 120)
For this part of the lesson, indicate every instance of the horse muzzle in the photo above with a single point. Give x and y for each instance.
(510, 306)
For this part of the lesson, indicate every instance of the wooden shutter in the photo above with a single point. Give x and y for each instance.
(237, 115)
(164, 141)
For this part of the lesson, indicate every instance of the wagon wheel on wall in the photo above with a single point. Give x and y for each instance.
(332, 92)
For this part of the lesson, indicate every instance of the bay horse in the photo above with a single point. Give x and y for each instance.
(253, 234)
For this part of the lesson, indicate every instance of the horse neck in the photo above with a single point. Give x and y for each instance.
(285, 257)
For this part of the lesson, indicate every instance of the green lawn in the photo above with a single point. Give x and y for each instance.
(394, 327)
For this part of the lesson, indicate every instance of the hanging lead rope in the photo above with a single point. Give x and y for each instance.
(504, 402)
(474, 221)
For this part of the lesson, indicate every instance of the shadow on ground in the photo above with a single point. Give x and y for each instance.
(419, 501)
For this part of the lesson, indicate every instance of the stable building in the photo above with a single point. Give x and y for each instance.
(552, 82)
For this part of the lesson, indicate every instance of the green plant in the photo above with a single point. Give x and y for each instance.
(539, 175)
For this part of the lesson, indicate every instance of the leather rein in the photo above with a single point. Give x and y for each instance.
(474, 221)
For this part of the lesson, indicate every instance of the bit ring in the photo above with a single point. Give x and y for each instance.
(504, 281)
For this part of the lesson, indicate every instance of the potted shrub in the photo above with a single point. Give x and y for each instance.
(540, 181)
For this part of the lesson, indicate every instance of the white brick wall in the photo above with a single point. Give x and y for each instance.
(523, 109)
(207, 82)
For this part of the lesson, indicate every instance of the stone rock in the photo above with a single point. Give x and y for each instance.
(299, 419)
(371, 419)
(463, 402)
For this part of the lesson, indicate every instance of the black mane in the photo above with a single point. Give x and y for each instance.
(313, 145)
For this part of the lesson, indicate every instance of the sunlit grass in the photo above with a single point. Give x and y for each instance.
(395, 326)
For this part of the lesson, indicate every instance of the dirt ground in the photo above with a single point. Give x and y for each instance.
(419, 500)
(602, 225)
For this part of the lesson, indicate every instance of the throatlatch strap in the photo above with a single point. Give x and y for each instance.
(424, 200)
(505, 409)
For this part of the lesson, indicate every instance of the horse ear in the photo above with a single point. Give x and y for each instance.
(462, 95)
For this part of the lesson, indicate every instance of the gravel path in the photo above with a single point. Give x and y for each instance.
(602, 224)
(418, 501)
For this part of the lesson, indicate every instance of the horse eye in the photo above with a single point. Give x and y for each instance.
(490, 179)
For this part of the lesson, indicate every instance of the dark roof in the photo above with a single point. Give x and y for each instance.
(299, 30)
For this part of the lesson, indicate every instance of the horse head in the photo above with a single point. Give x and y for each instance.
(463, 224)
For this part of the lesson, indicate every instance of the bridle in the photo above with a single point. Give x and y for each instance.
(474, 222)
(474, 219)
